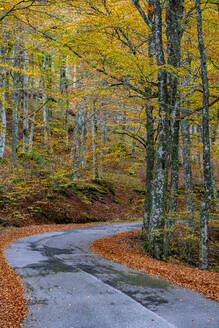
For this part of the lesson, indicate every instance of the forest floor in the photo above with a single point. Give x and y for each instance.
(66, 205)
(126, 248)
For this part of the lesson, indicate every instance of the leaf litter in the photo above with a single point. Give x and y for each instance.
(121, 248)
(127, 248)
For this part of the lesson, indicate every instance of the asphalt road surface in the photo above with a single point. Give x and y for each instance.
(67, 286)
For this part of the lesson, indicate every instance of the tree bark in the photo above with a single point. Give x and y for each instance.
(64, 93)
(150, 152)
(25, 103)
(174, 13)
(185, 129)
(206, 144)
(3, 121)
(17, 100)
(156, 228)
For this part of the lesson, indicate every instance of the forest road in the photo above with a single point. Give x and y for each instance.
(68, 286)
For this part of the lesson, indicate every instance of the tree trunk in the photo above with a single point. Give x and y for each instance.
(156, 228)
(3, 121)
(26, 103)
(94, 130)
(174, 163)
(46, 69)
(185, 128)
(78, 142)
(174, 13)
(206, 144)
(64, 93)
(16, 104)
(150, 152)
(33, 115)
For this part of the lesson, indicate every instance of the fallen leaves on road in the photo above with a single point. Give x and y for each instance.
(125, 249)
(13, 307)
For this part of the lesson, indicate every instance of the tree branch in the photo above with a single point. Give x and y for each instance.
(130, 134)
(14, 8)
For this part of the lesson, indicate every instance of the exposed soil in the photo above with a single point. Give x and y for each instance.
(127, 248)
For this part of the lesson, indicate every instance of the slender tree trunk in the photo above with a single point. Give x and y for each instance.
(185, 128)
(25, 103)
(16, 104)
(77, 155)
(33, 115)
(46, 69)
(67, 123)
(3, 121)
(94, 141)
(64, 93)
(45, 122)
(102, 124)
(77, 146)
(206, 144)
(103, 132)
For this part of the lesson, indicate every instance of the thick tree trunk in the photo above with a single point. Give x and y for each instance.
(156, 227)
(174, 13)
(213, 139)
(206, 144)
(213, 181)
(150, 152)
(174, 163)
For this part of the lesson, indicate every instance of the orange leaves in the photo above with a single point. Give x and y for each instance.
(13, 306)
(124, 248)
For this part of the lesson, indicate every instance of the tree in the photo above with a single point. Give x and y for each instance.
(137, 59)
(206, 143)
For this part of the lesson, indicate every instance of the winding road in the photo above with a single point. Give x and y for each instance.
(68, 286)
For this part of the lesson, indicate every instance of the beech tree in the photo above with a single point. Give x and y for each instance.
(206, 143)
(102, 81)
